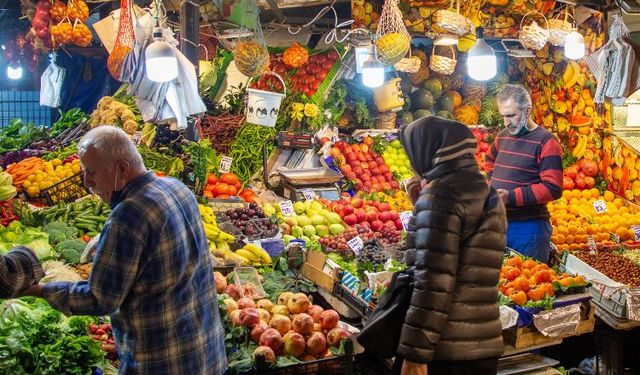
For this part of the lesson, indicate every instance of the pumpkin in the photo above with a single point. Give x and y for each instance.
(590, 167)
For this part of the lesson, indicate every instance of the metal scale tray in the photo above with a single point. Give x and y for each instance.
(309, 176)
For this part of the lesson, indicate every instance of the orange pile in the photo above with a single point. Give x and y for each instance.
(528, 280)
(295, 56)
(574, 219)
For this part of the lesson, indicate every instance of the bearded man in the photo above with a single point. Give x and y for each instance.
(524, 165)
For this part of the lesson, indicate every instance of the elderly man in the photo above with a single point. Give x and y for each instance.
(19, 270)
(525, 165)
(152, 270)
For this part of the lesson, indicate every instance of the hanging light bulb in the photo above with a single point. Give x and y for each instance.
(14, 72)
(482, 64)
(446, 40)
(574, 48)
(160, 59)
(372, 70)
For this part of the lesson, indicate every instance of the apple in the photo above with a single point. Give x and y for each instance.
(360, 215)
(357, 202)
(384, 216)
(372, 216)
(393, 215)
(347, 210)
(376, 225)
(351, 219)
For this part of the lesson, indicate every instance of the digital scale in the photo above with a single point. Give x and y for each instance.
(297, 183)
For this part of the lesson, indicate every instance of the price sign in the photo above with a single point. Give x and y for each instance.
(633, 304)
(405, 217)
(136, 137)
(308, 193)
(600, 206)
(287, 208)
(225, 164)
(356, 244)
(592, 244)
(615, 238)
(636, 231)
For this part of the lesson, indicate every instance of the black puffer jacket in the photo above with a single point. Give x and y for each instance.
(457, 237)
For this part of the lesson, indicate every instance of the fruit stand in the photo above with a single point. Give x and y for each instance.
(301, 179)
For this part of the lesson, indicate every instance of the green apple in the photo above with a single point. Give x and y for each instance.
(334, 218)
(309, 230)
(299, 208)
(292, 221)
(317, 220)
(297, 231)
(303, 220)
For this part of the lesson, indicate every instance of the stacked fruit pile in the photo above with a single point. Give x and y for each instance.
(580, 175)
(574, 219)
(397, 160)
(363, 167)
(311, 221)
(622, 169)
(48, 174)
(483, 140)
(528, 280)
(375, 215)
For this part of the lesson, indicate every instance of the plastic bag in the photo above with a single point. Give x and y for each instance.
(51, 84)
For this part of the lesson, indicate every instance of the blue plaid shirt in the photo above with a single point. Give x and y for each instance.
(154, 274)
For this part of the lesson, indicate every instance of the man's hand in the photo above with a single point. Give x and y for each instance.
(34, 291)
(504, 195)
(411, 368)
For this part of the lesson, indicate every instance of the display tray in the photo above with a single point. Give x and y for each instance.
(524, 363)
(309, 176)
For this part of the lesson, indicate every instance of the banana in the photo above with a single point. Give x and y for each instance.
(248, 254)
(581, 146)
(222, 245)
(258, 251)
(238, 258)
(226, 237)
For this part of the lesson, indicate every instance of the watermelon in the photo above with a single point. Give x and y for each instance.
(445, 114)
(445, 103)
(422, 113)
(434, 86)
(421, 99)
(406, 117)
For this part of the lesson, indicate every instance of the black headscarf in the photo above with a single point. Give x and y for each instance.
(431, 141)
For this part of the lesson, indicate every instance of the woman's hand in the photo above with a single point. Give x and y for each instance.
(411, 368)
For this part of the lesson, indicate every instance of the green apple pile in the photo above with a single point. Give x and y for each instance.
(311, 221)
(397, 160)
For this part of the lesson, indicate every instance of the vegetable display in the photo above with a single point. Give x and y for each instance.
(87, 215)
(246, 150)
(67, 120)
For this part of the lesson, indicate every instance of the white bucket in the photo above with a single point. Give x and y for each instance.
(263, 107)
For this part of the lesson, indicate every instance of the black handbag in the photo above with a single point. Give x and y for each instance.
(381, 334)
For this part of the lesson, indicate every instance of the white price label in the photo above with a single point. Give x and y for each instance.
(136, 137)
(308, 193)
(592, 243)
(356, 244)
(405, 217)
(600, 206)
(287, 208)
(636, 231)
(225, 164)
(336, 134)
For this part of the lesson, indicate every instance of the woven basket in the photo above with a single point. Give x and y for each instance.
(533, 36)
(443, 64)
(450, 22)
(559, 29)
(386, 120)
(408, 64)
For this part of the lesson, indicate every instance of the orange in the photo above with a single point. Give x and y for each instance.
(559, 239)
(566, 194)
(618, 202)
(595, 193)
(575, 193)
(609, 196)
(569, 239)
(586, 194)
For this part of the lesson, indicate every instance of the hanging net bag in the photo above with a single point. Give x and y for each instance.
(392, 38)
(124, 42)
(251, 55)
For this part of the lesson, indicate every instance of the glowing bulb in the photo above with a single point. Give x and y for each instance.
(14, 73)
(574, 46)
(160, 59)
(482, 64)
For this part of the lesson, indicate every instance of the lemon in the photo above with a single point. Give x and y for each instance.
(33, 191)
(43, 185)
(75, 168)
(56, 162)
(26, 184)
(38, 178)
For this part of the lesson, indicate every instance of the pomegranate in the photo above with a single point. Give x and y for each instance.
(249, 317)
(265, 304)
(303, 324)
(265, 352)
(235, 317)
(280, 310)
(280, 323)
(329, 320)
(271, 338)
(298, 303)
(336, 335)
(315, 312)
(284, 298)
(294, 344)
(264, 315)
(231, 304)
(220, 281)
(258, 330)
(245, 302)
(316, 343)
(232, 291)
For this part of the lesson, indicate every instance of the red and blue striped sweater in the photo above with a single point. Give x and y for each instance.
(530, 168)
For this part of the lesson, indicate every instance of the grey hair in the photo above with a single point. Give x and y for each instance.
(111, 144)
(518, 93)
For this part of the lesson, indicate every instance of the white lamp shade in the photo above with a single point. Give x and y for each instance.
(14, 72)
(482, 64)
(161, 62)
(574, 47)
(372, 73)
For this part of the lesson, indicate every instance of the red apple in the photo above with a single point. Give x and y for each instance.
(384, 216)
(348, 210)
(350, 219)
(357, 203)
(372, 216)
(376, 225)
(393, 215)
(398, 224)
(384, 207)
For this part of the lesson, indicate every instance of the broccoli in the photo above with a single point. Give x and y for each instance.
(68, 232)
(71, 250)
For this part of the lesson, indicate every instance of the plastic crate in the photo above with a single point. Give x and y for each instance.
(68, 190)
(351, 299)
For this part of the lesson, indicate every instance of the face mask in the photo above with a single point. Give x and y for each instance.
(524, 129)
(115, 183)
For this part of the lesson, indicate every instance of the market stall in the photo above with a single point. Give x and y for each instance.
(288, 137)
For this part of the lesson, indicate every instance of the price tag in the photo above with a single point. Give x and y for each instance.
(615, 238)
(405, 217)
(336, 134)
(356, 244)
(592, 244)
(308, 193)
(225, 164)
(636, 231)
(287, 208)
(136, 137)
(599, 206)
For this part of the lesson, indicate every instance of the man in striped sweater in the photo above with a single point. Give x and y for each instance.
(524, 164)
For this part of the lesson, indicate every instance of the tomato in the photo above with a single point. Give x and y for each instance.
(310, 80)
(321, 59)
(212, 179)
(238, 186)
(219, 189)
(321, 75)
(333, 55)
(229, 178)
(231, 190)
(327, 66)
(223, 196)
(207, 194)
(306, 91)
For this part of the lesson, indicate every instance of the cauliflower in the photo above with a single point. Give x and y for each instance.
(130, 126)
(105, 102)
(71, 250)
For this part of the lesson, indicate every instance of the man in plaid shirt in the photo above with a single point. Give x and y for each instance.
(152, 270)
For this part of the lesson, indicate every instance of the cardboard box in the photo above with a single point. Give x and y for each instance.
(313, 269)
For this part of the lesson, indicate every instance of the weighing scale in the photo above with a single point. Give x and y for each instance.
(298, 183)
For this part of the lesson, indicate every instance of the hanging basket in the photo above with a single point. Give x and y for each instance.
(559, 28)
(443, 64)
(409, 64)
(263, 106)
(392, 38)
(533, 36)
(447, 21)
(251, 58)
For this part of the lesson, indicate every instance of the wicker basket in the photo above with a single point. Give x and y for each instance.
(443, 64)
(386, 120)
(533, 36)
(450, 22)
(408, 64)
(559, 29)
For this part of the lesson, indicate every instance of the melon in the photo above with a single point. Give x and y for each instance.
(434, 86)
(422, 99)
(445, 103)
(422, 113)
(407, 117)
(445, 114)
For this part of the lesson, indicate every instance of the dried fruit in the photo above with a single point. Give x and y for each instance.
(81, 35)
(58, 11)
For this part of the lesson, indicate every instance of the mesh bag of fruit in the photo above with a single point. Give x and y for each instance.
(392, 38)
(124, 42)
(251, 55)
